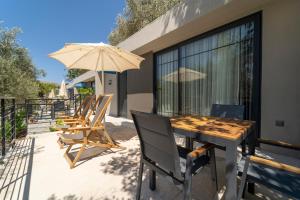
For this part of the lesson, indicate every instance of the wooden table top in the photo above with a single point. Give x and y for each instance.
(230, 129)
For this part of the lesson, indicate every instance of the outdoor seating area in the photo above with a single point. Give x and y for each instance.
(112, 174)
(150, 100)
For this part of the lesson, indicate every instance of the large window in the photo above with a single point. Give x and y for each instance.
(218, 67)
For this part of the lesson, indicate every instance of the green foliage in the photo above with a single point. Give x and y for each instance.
(20, 121)
(45, 88)
(8, 130)
(73, 73)
(17, 73)
(52, 129)
(20, 125)
(136, 15)
(60, 122)
(85, 91)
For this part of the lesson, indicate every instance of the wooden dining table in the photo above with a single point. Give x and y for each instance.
(223, 132)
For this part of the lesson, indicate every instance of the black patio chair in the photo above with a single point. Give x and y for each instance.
(161, 154)
(275, 175)
(228, 111)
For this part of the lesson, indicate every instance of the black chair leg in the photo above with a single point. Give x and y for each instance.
(187, 185)
(213, 166)
(188, 143)
(140, 178)
(152, 181)
(251, 188)
(244, 191)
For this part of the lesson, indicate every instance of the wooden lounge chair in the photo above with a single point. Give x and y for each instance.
(93, 134)
(161, 154)
(279, 176)
(82, 111)
(83, 120)
(86, 113)
(86, 102)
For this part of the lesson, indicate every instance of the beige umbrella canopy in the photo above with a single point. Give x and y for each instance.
(96, 57)
(51, 94)
(185, 74)
(63, 90)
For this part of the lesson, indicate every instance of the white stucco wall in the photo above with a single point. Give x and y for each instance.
(111, 87)
(280, 72)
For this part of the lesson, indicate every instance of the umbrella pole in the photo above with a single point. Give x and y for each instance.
(103, 81)
(103, 88)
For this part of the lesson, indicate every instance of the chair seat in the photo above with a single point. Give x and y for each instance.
(283, 181)
(69, 137)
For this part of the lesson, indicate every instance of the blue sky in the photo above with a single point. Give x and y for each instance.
(48, 24)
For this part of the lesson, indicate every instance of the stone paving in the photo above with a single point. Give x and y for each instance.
(36, 169)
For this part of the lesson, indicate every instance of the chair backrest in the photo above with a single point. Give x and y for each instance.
(157, 140)
(228, 111)
(92, 108)
(87, 106)
(83, 105)
(101, 110)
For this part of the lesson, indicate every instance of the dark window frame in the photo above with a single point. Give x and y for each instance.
(256, 90)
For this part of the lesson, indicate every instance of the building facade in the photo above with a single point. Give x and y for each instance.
(220, 51)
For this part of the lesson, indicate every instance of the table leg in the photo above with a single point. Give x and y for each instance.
(251, 140)
(152, 179)
(188, 143)
(231, 171)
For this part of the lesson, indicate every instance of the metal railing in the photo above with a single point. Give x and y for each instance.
(45, 108)
(16, 117)
(8, 123)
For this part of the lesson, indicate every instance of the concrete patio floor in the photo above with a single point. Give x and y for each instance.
(37, 170)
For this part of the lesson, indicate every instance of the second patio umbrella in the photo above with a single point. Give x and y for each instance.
(97, 57)
(51, 95)
(63, 90)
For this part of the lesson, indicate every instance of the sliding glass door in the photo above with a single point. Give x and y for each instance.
(215, 68)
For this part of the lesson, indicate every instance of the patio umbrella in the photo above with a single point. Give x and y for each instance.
(51, 94)
(63, 90)
(96, 57)
(185, 74)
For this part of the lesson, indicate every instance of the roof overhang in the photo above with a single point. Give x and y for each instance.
(86, 77)
(188, 19)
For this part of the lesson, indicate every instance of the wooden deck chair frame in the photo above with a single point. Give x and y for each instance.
(85, 110)
(88, 133)
(83, 120)
(84, 104)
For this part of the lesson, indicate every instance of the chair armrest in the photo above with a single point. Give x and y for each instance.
(77, 129)
(73, 122)
(275, 164)
(199, 151)
(71, 119)
(82, 128)
(279, 144)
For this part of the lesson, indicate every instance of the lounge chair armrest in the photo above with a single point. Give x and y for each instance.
(73, 122)
(82, 128)
(77, 129)
(275, 164)
(278, 143)
(71, 119)
(199, 151)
